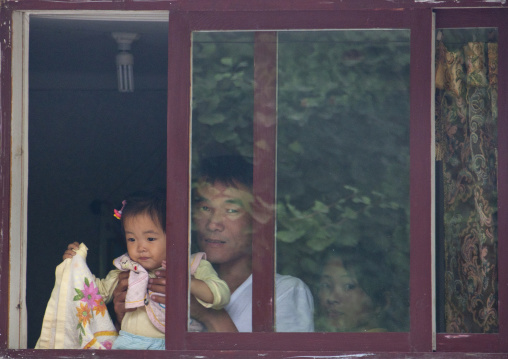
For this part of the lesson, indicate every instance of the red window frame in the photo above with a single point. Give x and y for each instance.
(187, 16)
(420, 24)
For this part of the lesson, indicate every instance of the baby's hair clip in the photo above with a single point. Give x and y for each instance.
(118, 214)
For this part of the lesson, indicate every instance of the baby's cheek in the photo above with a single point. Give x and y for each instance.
(131, 251)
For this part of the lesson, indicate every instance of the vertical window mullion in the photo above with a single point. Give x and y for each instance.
(502, 177)
(265, 125)
(421, 181)
(178, 139)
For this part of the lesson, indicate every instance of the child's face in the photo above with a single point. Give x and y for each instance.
(346, 305)
(146, 241)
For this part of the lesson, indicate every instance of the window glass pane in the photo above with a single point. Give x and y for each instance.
(343, 174)
(466, 187)
(222, 148)
(342, 168)
(89, 145)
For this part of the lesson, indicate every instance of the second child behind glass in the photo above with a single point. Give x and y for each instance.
(143, 219)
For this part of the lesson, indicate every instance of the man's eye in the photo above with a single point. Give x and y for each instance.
(151, 239)
(232, 210)
(204, 208)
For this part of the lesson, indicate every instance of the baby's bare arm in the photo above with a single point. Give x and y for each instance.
(200, 290)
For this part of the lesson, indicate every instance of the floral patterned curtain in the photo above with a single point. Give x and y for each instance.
(466, 145)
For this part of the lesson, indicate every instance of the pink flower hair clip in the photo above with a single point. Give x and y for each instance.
(118, 214)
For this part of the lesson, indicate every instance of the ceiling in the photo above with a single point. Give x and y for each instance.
(80, 51)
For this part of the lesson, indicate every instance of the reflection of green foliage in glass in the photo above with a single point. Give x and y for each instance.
(223, 93)
(343, 140)
(344, 99)
(457, 38)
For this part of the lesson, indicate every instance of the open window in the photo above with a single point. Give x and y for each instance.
(90, 143)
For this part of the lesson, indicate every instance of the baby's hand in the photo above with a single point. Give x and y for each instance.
(71, 250)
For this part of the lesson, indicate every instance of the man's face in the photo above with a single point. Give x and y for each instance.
(222, 215)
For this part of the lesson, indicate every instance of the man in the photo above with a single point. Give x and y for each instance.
(222, 214)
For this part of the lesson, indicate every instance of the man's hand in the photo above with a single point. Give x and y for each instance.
(158, 285)
(213, 320)
(198, 312)
(119, 295)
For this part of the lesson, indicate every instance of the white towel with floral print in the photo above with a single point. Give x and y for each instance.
(139, 295)
(76, 316)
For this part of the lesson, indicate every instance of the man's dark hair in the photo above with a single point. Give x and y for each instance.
(151, 202)
(227, 170)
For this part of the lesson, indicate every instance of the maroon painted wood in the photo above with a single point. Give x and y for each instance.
(269, 20)
(178, 211)
(303, 342)
(5, 169)
(243, 5)
(270, 5)
(265, 137)
(486, 343)
(234, 354)
(503, 178)
(420, 306)
(468, 18)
